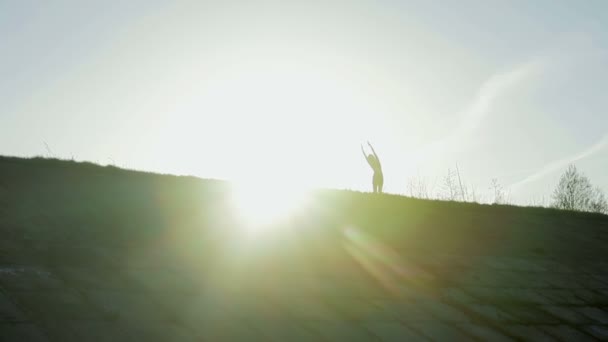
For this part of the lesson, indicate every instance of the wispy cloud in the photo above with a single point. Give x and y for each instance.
(560, 163)
(580, 51)
(473, 115)
(493, 88)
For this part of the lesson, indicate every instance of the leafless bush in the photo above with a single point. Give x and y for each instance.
(598, 202)
(538, 201)
(450, 190)
(500, 196)
(575, 192)
(418, 187)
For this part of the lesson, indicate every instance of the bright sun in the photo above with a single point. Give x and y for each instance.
(260, 207)
(284, 127)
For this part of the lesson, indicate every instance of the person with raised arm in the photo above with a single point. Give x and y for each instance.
(374, 162)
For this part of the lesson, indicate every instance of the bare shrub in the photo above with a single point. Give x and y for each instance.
(575, 192)
(500, 196)
(450, 189)
(418, 187)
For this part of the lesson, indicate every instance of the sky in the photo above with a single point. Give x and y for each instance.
(285, 92)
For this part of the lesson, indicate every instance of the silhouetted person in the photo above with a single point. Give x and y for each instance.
(374, 162)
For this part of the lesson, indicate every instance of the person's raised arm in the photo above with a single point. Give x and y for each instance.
(365, 156)
(373, 151)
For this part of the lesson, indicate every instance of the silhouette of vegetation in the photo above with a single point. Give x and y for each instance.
(538, 201)
(575, 192)
(598, 202)
(452, 188)
(418, 187)
(500, 196)
(449, 187)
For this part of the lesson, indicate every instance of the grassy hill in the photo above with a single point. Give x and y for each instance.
(83, 202)
(190, 221)
(83, 232)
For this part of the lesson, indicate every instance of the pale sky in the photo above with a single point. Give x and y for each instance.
(513, 90)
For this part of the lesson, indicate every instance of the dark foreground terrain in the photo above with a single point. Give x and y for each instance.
(91, 253)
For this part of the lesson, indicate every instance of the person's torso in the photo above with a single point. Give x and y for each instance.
(375, 164)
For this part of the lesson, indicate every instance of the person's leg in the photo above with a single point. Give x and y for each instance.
(374, 186)
(376, 183)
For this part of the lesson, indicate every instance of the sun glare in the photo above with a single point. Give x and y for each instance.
(260, 207)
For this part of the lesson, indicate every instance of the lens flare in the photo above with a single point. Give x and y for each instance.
(260, 207)
(391, 270)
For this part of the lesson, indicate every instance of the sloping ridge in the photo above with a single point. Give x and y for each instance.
(92, 253)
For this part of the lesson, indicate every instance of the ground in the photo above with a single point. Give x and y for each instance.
(102, 254)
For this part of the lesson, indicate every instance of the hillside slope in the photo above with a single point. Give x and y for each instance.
(99, 253)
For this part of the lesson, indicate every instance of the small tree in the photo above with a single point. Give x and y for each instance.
(449, 187)
(575, 192)
(598, 202)
(499, 192)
